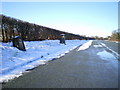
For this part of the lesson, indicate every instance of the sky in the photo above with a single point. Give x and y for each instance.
(82, 18)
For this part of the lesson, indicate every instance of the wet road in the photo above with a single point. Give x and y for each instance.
(95, 67)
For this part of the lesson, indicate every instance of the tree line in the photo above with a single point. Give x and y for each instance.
(115, 35)
(12, 27)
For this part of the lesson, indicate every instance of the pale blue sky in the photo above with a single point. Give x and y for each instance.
(83, 18)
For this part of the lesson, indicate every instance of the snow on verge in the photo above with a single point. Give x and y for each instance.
(15, 62)
(85, 46)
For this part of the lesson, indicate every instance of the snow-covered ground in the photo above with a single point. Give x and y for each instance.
(14, 62)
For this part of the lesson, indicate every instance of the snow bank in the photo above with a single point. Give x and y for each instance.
(86, 45)
(15, 62)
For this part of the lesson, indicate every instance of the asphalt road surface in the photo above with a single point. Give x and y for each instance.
(77, 69)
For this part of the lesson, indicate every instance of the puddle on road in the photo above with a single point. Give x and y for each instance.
(106, 55)
(109, 57)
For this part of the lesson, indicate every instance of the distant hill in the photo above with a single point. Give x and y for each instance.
(12, 27)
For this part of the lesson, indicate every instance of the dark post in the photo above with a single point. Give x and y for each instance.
(62, 39)
(18, 43)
